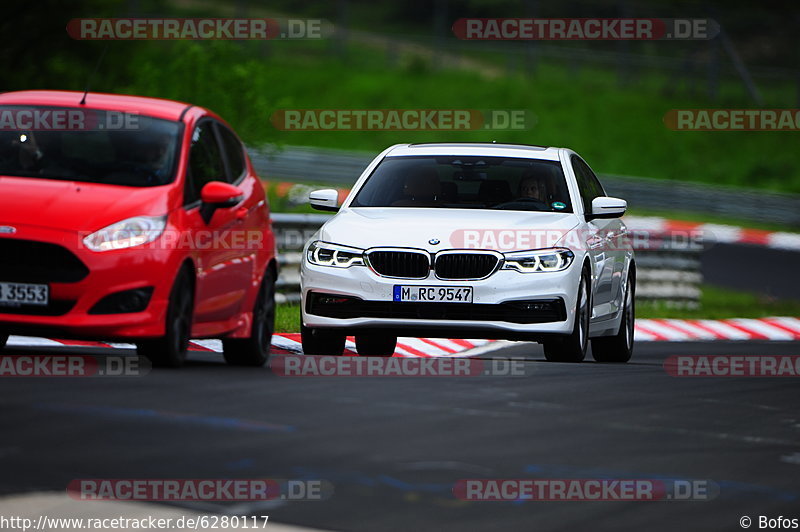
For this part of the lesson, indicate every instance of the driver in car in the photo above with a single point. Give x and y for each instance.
(30, 157)
(533, 188)
(151, 156)
(147, 157)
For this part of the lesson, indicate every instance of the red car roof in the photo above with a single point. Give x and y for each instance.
(155, 107)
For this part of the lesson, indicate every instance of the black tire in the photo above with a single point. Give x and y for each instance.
(169, 351)
(619, 348)
(375, 345)
(254, 351)
(321, 341)
(572, 348)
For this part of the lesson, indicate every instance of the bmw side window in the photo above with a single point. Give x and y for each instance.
(234, 153)
(584, 187)
(205, 161)
(597, 188)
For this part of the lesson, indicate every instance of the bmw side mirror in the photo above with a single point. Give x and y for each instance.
(324, 200)
(606, 207)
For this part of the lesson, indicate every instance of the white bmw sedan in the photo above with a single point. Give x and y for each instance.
(471, 241)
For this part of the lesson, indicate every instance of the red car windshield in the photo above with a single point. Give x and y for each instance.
(105, 147)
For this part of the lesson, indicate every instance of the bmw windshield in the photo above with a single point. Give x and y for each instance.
(104, 147)
(466, 182)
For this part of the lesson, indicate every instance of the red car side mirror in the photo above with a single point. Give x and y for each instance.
(221, 195)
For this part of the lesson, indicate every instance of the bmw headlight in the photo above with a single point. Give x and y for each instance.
(127, 233)
(539, 260)
(327, 254)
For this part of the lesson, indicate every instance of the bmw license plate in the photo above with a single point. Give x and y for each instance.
(433, 294)
(16, 294)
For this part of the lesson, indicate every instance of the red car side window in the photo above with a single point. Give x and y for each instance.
(205, 161)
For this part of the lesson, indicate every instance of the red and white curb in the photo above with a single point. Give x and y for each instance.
(288, 343)
(784, 329)
(406, 347)
(668, 330)
(726, 234)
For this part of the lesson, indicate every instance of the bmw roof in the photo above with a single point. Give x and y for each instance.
(487, 149)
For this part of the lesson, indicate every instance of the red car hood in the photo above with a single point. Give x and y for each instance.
(75, 206)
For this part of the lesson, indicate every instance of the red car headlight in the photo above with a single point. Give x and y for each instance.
(127, 233)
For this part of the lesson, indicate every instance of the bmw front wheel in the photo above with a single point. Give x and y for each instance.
(572, 348)
(375, 345)
(321, 341)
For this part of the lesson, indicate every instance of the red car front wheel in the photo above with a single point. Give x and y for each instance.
(170, 350)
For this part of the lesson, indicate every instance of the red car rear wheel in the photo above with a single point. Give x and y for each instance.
(254, 351)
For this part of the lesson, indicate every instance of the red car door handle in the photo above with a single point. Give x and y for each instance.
(241, 213)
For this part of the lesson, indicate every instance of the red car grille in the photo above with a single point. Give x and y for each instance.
(27, 261)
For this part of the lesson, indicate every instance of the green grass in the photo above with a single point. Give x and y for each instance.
(619, 130)
(716, 304)
(722, 303)
(287, 318)
(617, 126)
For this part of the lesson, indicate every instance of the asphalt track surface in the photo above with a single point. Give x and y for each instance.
(773, 272)
(394, 447)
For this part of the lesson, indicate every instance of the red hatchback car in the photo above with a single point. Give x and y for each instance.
(132, 219)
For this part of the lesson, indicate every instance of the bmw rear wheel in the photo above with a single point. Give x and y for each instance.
(619, 348)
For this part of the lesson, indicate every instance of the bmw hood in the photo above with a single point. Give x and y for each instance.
(439, 229)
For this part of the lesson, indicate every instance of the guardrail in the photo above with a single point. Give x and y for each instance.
(668, 268)
(341, 167)
(292, 231)
(669, 272)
